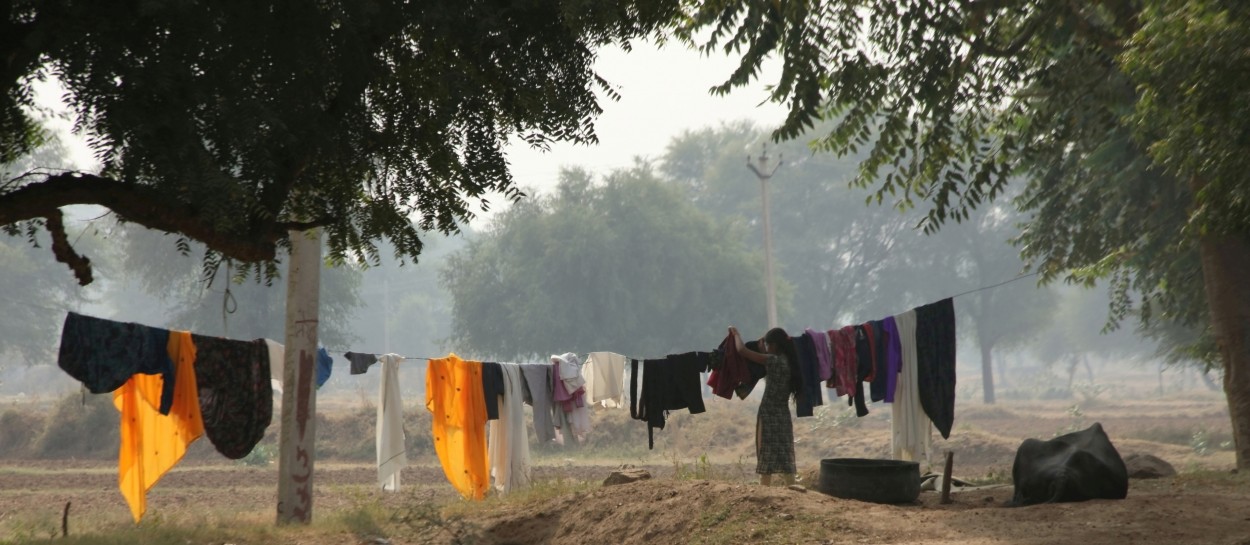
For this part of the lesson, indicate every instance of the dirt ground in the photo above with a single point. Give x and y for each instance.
(702, 489)
(717, 512)
(1212, 509)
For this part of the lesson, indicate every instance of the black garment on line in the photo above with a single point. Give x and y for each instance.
(236, 397)
(876, 388)
(360, 362)
(863, 356)
(492, 387)
(667, 385)
(809, 376)
(935, 362)
(636, 411)
(104, 354)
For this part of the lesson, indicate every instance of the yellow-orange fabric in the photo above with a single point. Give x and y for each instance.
(454, 396)
(151, 442)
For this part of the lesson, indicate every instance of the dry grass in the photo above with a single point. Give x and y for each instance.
(196, 524)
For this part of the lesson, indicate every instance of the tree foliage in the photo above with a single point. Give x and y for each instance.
(847, 261)
(33, 290)
(1125, 115)
(627, 265)
(948, 100)
(1189, 63)
(231, 124)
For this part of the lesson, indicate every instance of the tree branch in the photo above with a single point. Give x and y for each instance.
(142, 204)
(1023, 37)
(64, 252)
(303, 225)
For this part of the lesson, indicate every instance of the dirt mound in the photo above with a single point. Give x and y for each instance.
(666, 511)
(660, 511)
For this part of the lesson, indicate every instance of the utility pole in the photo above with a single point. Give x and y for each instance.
(386, 311)
(764, 174)
(297, 437)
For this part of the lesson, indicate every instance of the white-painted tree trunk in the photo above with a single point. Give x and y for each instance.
(297, 438)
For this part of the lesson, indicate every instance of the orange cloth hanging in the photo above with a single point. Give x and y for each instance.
(152, 443)
(454, 396)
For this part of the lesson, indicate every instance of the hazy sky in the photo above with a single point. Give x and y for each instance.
(664, 91)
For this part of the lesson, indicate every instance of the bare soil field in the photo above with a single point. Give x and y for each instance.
(702, 490)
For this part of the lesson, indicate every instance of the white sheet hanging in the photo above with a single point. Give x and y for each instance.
(276, 364)
(392, 455)
(509, 444)
(909, 425)
(605, 379)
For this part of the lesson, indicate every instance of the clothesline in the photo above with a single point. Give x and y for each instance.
(971, 291)
(983, 288)
(923, 362)
(343, 352)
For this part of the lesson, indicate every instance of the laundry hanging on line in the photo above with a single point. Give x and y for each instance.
(169, 388)
(845, 358)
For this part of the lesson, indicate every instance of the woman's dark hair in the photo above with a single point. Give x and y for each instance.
(778, 337)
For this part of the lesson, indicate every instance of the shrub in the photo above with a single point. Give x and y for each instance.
(81, 426)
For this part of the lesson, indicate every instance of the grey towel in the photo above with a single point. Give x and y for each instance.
(360, 362)
(538, 393)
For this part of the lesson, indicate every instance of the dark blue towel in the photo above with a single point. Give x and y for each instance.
(103, 354)
(325, 365)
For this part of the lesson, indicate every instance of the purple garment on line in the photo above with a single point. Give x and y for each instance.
(893, 357)
(823, 356)
(568, 401)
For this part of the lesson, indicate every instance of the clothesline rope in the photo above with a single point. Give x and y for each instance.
(971, 291)
(983, 288)
(344, 352)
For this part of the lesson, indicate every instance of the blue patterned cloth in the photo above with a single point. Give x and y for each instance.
(236, 397)
(104, 354)
(325, 366)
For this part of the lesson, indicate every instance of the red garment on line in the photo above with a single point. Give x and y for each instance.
(733, 370)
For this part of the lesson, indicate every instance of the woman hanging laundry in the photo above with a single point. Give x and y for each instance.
(774, 428)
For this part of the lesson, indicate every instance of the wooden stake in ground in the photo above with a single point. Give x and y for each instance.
(297, 437)
(946, 477)
(65, 520)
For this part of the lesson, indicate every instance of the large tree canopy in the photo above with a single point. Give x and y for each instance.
(233, 123)
(1124, 114)
(948, 100)
(629, 266)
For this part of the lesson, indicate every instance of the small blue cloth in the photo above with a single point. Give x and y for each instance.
(325, 364)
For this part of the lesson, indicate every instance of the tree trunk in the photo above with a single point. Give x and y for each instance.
(297, 436)
(1225, 260)
(987, 372)
(1002, 371)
